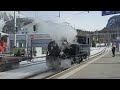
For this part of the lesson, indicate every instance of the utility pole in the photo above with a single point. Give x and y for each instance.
(59, 14)
(97, 37)
(117, 31)
(15, 27)
(31, 51)
(36, 15)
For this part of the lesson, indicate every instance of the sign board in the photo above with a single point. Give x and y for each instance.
(39, 40)
(40, 36)
(104, 13)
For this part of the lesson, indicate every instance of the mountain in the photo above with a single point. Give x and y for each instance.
(113, 22)
(113, 25)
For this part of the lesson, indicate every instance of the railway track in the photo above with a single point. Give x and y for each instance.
(53, 74)
(31, 63)
(61, 74)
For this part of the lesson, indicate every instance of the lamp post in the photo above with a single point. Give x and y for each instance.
(15, 27)
(31, 51)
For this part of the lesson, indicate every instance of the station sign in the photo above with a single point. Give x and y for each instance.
(40, 36)
(104, 13)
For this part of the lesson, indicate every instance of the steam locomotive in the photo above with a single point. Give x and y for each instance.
(64, 55)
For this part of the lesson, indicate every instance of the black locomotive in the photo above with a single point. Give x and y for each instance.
(64, 55)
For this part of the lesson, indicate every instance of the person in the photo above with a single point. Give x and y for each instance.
(34, 52)
(29, 55)
(113, 50)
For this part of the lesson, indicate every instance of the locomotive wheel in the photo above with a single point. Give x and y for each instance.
(85, 57)
(74, 61)
(80, 60)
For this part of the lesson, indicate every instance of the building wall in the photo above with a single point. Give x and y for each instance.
(24, 41)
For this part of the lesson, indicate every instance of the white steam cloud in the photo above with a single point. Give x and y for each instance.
(57, 31)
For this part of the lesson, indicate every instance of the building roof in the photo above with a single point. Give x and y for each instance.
(3, 33)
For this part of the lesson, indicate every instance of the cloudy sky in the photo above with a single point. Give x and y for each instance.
(79, 19)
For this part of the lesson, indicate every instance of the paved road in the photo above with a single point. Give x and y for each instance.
(105, 67)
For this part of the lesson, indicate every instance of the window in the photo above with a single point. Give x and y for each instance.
(20, 45)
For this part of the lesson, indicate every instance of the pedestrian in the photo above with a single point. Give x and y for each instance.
(113, 50)
(34, 52)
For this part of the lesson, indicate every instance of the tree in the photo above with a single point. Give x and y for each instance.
(9, 25)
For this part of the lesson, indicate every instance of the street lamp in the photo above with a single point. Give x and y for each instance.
(15, 27)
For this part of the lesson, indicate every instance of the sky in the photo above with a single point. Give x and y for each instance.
(79, 19)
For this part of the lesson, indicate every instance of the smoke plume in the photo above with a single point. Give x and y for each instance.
(58, 31)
